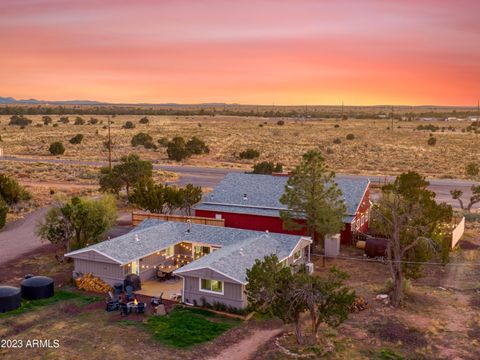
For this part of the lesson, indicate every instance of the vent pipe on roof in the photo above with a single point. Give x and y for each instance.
(137, 238)
(245, 198)
(189, 222)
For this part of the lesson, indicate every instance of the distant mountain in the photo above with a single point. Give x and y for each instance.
(10, 100)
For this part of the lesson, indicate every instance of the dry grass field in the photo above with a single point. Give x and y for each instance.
(376, 149)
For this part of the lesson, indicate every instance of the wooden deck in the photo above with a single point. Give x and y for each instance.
(155, 288)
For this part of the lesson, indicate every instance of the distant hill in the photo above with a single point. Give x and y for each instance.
(10, 100)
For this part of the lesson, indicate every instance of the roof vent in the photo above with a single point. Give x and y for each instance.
(137, 238)
(189, 222)
(267, 231)
(245, 198)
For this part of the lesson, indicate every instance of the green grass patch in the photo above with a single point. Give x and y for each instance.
(59, 296)
(183, 328)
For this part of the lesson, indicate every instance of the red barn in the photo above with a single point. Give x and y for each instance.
(251, 201)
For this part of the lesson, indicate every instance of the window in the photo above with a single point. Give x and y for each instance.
(214, 286)
(297, 255)
(218, 216)
(169, 251)
(199, 251)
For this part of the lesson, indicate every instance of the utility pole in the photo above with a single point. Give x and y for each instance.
(109, 146)
(392, 118)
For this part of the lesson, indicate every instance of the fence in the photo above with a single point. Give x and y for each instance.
(138, 217)
(457, 232)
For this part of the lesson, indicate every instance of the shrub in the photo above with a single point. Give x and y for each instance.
(46, 120)
(93, 121)
(350, 137)
(128, 125)
(143, 139)
(472, 169)
(11, 191)
(336, 126)
(56, 148)
(3, 212)
(249, 154)
(197, 146)
(163, 142)
(79, 121)
(177, 149)
(19, 121)
(280, 122)
(64, 120)
(55, 125)
(144, 120)
(337, 141)
(432, 141)
(267, 167)
(77, 139)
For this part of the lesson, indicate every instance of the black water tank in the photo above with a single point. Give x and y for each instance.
(37, 287)
(10, 298)
(376, 247)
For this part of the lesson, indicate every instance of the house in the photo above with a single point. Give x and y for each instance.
(252, 201)
(210, 260)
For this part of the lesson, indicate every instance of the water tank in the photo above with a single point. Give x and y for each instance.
(10, 298)
(37, 287)
(375, 247)
(332, 245)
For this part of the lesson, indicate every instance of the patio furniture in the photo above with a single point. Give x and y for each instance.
(124, 309)
(161, 275)
(129, 293)
(160, 310)
(141, 308)
(157, 301)
(118, 287)
(112, 306)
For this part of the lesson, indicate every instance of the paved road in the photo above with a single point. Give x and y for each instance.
(209, 177)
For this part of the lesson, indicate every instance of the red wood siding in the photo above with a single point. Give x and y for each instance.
(275, 224)
(262, 223)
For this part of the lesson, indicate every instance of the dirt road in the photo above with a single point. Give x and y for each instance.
(246, 348)
(19, 237)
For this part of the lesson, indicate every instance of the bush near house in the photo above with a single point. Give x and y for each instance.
(3, 213)
(56, 148)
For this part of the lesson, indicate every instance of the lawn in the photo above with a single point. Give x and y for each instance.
(59, 296)
(183, 327)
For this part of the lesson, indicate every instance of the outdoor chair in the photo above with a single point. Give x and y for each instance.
(124, 309)
(157, 301)
(141, 308)
(129, 293)
(161, 276)
(112, 306)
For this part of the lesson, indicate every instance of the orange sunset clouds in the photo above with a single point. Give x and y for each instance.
(287, 52)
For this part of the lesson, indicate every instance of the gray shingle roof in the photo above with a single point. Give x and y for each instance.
(234, 260)
(154, 235)
(264, 192)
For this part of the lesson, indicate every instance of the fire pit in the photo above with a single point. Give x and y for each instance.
(138, 307)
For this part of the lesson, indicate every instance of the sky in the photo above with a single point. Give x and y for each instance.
(315, 52)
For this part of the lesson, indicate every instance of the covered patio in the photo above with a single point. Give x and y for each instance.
(171, 289)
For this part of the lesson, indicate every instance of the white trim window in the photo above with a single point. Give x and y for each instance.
(211, 286)
(169, 251)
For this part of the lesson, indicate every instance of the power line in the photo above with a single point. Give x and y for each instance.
(401, 261)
